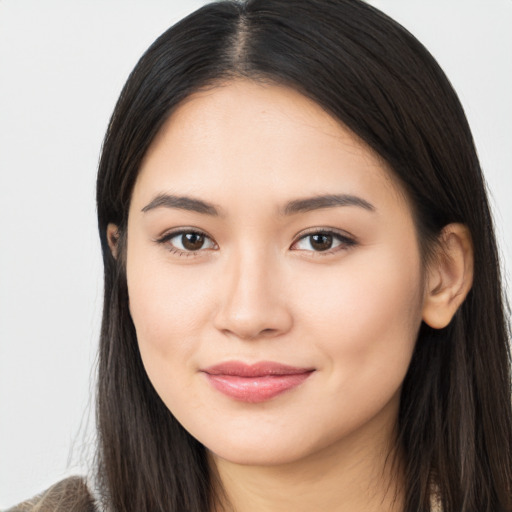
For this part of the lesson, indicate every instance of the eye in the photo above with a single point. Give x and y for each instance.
(323, 241)
(186, 242)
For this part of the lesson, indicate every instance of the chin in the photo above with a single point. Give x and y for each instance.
(257, 455)
(262, 449)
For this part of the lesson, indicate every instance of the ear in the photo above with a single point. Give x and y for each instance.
(449, 276)
(113, 238)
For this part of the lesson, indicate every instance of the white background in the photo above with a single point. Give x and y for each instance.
(62, 66)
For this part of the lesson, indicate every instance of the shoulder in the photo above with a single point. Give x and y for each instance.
(69, 495)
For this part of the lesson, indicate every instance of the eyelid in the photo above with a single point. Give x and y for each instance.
(166, 235)
(326, 230)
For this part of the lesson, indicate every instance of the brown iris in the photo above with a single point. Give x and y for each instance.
(321, 242)
(192, 241)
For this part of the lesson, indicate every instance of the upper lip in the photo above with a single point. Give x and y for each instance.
(259, 369)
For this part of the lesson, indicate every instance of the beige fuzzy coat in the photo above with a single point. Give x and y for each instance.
(69, 495)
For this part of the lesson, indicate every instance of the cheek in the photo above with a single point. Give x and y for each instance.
(365, 319)
(162, 312)
(169, 309)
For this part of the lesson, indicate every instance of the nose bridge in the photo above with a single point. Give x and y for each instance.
(252, 302)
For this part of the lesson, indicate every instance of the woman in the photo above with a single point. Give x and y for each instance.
(297, 248)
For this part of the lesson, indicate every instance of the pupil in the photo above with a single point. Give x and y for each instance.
(192, 241)
(321, 242)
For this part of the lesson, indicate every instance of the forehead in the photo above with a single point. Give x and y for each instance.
(259, 139)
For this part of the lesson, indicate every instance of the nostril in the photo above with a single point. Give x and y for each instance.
(268, 331)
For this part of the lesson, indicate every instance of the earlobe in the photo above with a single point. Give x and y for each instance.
(449, 276)
(113, 238)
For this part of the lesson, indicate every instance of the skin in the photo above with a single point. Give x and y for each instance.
(258, 290)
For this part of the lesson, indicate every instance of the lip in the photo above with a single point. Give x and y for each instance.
(254, 383)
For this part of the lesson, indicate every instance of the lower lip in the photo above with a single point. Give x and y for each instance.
(256, 389)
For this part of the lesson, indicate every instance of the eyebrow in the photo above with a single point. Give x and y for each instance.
(181, 203)
(326, 201)
(293, 207)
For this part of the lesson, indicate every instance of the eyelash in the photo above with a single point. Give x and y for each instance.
(345, 241)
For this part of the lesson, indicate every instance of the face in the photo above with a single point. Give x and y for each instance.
(274, 276)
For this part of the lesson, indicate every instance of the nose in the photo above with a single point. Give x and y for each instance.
(252, 300)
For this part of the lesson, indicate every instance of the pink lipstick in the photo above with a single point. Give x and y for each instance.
(257, 382)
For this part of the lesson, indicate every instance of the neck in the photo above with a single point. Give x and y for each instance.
(353, 475)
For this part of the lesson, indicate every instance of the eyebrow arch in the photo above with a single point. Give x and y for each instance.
(182, 203)
(325, 201)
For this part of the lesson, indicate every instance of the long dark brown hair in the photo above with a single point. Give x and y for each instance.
(455, 424)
